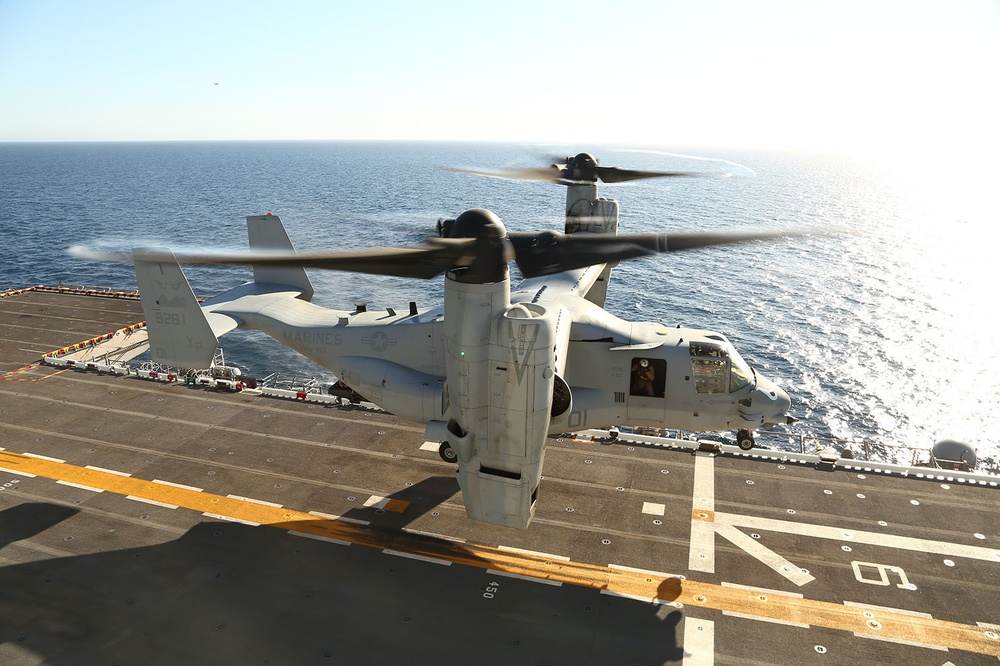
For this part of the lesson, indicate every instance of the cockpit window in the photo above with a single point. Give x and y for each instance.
(740, 374)
(718, 368)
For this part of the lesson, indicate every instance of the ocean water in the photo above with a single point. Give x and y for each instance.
(882, 330)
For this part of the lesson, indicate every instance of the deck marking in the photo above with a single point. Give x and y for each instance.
(41, 457)
(699, 642)
(654, 508)
(255, 501)
(649, 572)
(80, 486)
(901, 641)
(109, 471)
(396, 505)
(647, 600)
(887, 609)
(530, 579)
(335, 517)
(316, 537)
(761, 552)
(434, 535)
(534, 553)
(231, 519)
(701, 556)
(430, 446)
(153, 502)
(179, 485)
(869, 538)
(761, 618)
(18, 472)
(412, 556)
(691, 593)
(763, 592)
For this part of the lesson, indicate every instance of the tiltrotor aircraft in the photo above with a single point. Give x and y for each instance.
(493, 372)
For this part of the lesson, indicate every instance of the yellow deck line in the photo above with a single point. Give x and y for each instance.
(886, 625)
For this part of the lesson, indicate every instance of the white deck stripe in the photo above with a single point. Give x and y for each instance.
(79, 485)
(522, 551)
(153, 502)
(701, 556)
(648, 600)
(888, 609)
(317, 537)
(331, 516)
(900, 611)
(433, 535)
(765, 555)
(869, 538)
(764, 590)
(760, 618)
(231, 519)
(530, 579)
(40, 457)
(654, 508)
(422, 558)
(377, 501)
(900, 641)
(109, 471)
(255, 501)
(699, 642)
(659, 574)
(14, 471)
(178, 485)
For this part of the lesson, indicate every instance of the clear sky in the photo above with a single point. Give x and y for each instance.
(832, 75)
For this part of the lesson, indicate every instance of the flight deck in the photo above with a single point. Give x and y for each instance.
(168, 522)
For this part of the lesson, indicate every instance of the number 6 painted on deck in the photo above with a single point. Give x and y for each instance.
(883, 570)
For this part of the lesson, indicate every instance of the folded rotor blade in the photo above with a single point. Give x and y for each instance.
(551, 252)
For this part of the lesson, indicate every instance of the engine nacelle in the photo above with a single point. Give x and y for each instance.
(501, 374)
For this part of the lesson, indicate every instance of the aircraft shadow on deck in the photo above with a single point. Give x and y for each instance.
(225, 592)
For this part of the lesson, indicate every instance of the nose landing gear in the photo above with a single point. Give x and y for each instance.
(744, 439)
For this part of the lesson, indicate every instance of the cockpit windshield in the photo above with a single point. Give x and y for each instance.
(740, 374)
(718, 368)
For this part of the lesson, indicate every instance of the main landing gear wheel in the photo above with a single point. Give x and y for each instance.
(447, 453)
(744, 439)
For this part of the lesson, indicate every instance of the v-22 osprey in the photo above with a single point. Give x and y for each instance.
(494, 370)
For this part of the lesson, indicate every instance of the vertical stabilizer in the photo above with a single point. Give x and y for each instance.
(267, 233)
(179, 333)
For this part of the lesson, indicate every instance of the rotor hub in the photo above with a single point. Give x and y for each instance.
(582, 167)
(491, 251)
(477, 223)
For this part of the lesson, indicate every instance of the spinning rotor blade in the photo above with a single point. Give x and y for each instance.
(619, 175)
(561, 175)
(551, 252)
(438, 256)
(550, 174)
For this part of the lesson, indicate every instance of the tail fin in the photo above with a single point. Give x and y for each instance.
(180, 334)
(267, 233)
